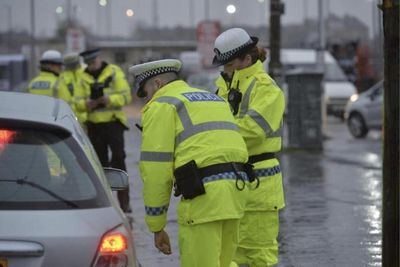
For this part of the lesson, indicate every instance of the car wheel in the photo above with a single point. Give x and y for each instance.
(357, 126)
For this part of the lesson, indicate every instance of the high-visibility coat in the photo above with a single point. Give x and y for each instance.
(118, 92)
(71, 79)
(260, 119)
(181, 124)
(49, 83)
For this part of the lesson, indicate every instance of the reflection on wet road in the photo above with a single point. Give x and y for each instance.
(333, 204)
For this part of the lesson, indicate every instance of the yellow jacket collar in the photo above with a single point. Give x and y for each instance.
(248, 72)
(163, 90)
(240, 75)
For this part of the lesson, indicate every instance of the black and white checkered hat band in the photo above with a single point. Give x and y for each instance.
(151, 73)
(227, 55)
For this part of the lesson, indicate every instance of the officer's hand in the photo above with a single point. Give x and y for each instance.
(161, 241)
(91, 104)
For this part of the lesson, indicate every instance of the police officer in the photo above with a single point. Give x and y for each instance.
(258, 106)
(71, 77)
(102, 94)
(190, 134)
(48, 81)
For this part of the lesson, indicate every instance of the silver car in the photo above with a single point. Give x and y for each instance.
(56, 204)
(364, 111)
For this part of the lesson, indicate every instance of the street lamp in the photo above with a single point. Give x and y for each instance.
(103, 2)
(231, 9)
(59, 10)
(130, 13)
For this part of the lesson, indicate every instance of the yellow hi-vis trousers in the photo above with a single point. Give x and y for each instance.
(258, 245)
(211, 244)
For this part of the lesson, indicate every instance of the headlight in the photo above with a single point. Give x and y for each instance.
(354, 98)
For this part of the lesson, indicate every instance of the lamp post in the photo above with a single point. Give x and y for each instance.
(277, 8)
(207, 9)
(7, 8)
(262, 11)
(32, 39)
(231, 9)
(155, 14)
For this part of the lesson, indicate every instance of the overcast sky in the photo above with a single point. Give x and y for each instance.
(169, 13)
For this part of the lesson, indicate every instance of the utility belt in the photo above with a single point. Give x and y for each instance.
(189, 178)
(254, 159)
(261, 157)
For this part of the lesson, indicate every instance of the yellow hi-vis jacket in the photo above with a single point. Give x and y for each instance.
(260, 119)
(71, 79)
(181, 124)
(48, 83)
(118, 92)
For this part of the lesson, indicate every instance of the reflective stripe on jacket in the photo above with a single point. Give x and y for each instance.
(181, 124)
(118, 92)
(46, 83)
(260, 119)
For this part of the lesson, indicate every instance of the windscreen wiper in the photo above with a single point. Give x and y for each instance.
(43, 189)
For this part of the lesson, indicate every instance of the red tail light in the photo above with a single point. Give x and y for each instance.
(113, 250)
(115, 242)
(6, 136)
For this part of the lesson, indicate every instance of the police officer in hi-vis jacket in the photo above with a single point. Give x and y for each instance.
(103, 92)
(258, 105)
(190, 139)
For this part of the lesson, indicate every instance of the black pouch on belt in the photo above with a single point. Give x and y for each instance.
(188, 180)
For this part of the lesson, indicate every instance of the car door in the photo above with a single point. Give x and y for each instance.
(375, 107)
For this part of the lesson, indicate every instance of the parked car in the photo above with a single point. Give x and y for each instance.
(56, 203)
(364, 111)
(337, 89)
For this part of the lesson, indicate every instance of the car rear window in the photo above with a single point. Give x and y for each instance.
(43, 170)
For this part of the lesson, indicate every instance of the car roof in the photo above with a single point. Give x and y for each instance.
(303, 56)
(37, 109)
(12, 57)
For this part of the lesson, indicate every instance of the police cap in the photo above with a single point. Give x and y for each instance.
(231, 44)
(71, 59)
(89, 55)
(145, 71)
(51, 57)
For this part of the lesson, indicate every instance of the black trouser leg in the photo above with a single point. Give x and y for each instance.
(98, 137)
(118, 160)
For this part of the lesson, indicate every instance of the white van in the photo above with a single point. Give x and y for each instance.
(337, 89)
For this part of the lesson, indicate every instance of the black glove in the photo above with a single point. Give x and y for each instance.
(96, 90)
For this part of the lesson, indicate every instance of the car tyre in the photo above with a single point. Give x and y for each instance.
(357, 126)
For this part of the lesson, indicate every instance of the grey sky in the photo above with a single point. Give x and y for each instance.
(170, 13)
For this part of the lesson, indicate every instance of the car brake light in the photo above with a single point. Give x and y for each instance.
(6, 136)
(113, 250)
(115, 242)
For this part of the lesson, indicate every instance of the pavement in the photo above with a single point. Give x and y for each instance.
(333, 202)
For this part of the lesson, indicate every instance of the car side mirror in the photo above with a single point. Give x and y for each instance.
(372, 97)
(118, 179)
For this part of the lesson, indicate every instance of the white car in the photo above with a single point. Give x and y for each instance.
(337, 89)
(365, 111)
(56, 204)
